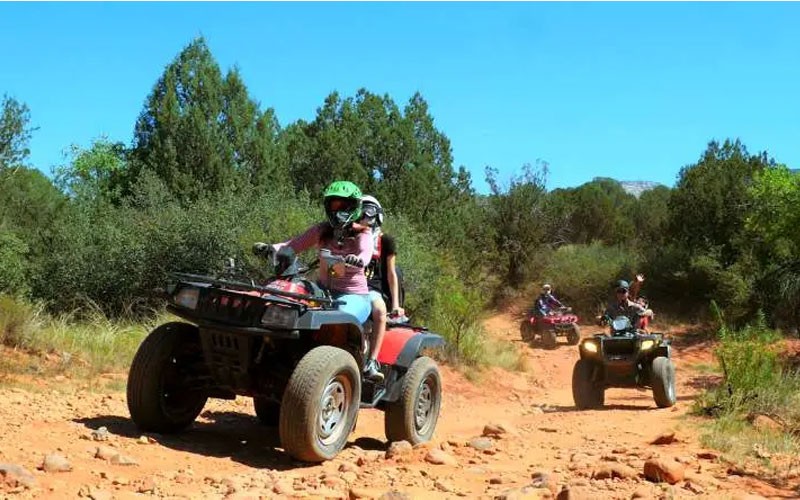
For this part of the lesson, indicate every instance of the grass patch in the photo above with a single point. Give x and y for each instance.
(706, 368)
(67, 344)
(756, 386)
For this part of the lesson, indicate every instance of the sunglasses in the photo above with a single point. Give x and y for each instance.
(621, 291)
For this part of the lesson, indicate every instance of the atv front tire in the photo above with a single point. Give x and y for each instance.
(413, 417)
(320, 404)
(574, 335)
(526, 331)
(663, 382)
(160, 395)
(585, 392)
(549, 338)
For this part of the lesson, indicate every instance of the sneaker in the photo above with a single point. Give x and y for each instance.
(372, 371)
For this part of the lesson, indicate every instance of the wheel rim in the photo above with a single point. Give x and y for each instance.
(426, 405)
(334, 406)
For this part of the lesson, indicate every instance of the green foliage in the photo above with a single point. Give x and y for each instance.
(94, 172)
(19, 321)
(522, 226)
(600, 210)
(709, 205)
(15, 132)
(584, 275)
(201, 133)
(14, 264)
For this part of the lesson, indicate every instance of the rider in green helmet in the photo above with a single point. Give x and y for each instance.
(341, 237)
(342, 200)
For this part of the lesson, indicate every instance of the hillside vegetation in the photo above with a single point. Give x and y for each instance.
(209, 170)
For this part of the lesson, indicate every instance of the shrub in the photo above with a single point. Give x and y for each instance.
(583, 275)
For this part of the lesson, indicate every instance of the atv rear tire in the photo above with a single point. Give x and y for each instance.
(320, 404)
(585, 392)
(160, 398)
(413, 417)
(267, 410)
(663, 382)
(549, 338)
(526, 331)
(574, 335)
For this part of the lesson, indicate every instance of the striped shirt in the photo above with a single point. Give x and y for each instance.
(361, 245)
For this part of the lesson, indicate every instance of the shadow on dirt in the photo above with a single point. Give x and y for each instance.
(237, 436)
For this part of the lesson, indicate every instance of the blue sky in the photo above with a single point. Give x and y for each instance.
(632, 91)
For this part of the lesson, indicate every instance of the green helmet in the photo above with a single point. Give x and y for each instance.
(342, 201)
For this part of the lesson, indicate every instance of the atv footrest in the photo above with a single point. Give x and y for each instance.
(371, 394)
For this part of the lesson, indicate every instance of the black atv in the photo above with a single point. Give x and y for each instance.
(283, 343)
(626, 358)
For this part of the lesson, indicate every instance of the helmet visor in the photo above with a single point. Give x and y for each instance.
(336, 204)
(369, 210)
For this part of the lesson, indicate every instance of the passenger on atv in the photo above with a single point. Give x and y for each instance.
(383, 279)
(339, 236)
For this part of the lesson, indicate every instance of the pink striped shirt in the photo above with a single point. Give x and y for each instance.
(360, 245)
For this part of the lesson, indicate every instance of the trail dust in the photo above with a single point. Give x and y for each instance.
(538, 444)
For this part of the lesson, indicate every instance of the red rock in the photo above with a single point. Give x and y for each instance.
(668, 471)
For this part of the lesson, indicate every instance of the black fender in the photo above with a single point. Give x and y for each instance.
(415, 345)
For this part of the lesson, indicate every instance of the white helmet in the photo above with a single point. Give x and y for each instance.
(371, 209)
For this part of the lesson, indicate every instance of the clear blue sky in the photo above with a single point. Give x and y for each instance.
(623, 90)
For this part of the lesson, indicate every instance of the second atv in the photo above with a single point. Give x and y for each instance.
(547, 329)
(628, 357)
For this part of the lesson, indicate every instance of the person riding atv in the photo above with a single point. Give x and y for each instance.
(628, 303)
(340, 236)
(546, 301)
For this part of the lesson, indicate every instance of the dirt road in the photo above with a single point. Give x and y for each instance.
(544, 445)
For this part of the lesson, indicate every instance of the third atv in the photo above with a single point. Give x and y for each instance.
(628, 357)
(548, 328)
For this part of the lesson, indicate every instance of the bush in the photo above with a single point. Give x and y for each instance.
(14, 265)
(19, 322)
(583, 275)
(754, 383)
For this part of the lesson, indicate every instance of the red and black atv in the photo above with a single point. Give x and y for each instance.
(283, 343)
(547, 329)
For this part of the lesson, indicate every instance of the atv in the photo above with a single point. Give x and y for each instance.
(560, 322)
(282, 342)
(628, 357)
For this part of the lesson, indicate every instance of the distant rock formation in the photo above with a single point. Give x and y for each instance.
(636, 188)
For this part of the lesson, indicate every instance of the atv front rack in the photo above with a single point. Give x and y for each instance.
(248, 287)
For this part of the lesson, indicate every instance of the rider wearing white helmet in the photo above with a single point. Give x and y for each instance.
(382, 275)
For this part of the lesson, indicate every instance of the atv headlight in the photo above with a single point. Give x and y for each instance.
(590, 346)
(187, 298)
(647, 344)
(279, 317)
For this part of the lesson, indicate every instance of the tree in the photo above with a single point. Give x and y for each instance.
(519, 216)
(709, 204)
(15, 132)
(201, 133)
(94, 172)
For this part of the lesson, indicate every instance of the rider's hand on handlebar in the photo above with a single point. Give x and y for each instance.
(398, 312)
(264, 249)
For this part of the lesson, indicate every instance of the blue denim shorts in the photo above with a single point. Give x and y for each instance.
(356, 305)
